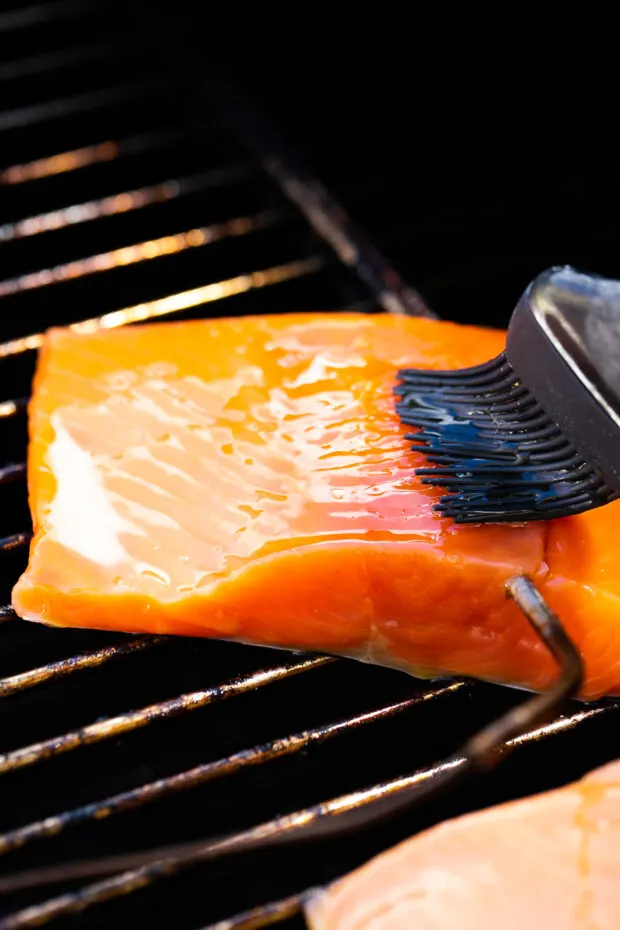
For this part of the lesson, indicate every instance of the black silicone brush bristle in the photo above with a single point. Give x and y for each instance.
(496, 451)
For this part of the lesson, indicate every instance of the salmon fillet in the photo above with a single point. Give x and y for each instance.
(551, 861)
(249, 479)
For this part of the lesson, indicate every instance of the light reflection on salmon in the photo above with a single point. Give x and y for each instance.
(551, 861)
(249, 479)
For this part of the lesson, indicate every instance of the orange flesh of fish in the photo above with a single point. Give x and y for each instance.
(551, 861)
(249, 479)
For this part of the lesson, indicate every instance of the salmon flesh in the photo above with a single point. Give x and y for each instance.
(248, 479)
(551, 861)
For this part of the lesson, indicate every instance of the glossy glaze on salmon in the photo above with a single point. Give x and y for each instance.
(550, 862)
(249, 479)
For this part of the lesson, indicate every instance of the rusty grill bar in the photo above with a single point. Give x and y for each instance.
(139, 252)
(120, 203)
(146, 794)
(257, 917)
(85, 157)
(294, 267)
(125, 723)
(57, 670)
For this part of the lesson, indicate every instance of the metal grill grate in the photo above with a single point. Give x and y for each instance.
(116, 209)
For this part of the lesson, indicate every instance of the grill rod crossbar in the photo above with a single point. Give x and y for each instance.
(135, 719)
(209, 771)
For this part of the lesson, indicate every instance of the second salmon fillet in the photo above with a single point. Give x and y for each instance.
(549, 862)
(249, 479)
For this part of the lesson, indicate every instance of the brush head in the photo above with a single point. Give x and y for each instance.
(534, 433)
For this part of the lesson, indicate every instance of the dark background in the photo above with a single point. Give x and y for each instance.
(474, 153)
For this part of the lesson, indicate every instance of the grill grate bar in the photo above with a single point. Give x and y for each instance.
(135, 719)
(172, 860)
(124, 202)
(10, 408)
(141, 252)
(44, 12)
(86, 156)
(266, 914)
(66, 58)
(199, 775)
(15, 541)
(38, 113)
(12, 472)
(65, 667)
(175, 303)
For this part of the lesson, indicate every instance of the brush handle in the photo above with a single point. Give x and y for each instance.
(564, 344)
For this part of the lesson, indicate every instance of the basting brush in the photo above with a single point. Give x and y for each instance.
(534, 433)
